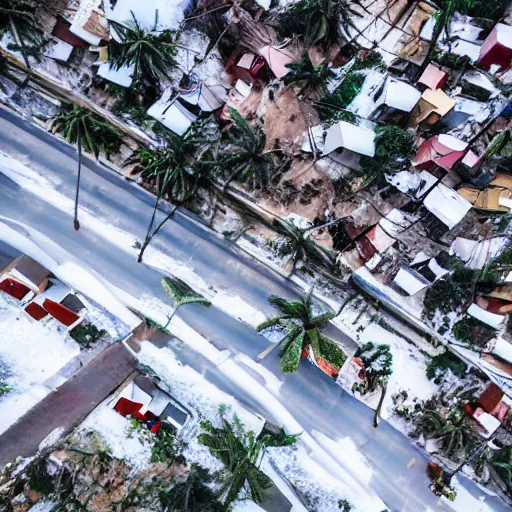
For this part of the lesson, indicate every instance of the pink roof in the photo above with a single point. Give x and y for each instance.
(246, 61)
(497, 48)
(379, 239)
(471, 159)
(277, 59)
(441, 150)
(433, 77)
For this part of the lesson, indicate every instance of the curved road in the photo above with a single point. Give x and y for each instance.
(314, 399)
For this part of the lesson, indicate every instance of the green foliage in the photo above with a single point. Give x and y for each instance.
(317, 21)
(372, 60)
(129, 104)
(182, 293)
(449, 293)
(165, 447)
(243, 157)
(86, 334)
(303, 329)
(378, 364)
(192, 495)
(344, 506)
(472, 331)
(280, 438)
(501, 462)
(240, 453)
(313, 77)
(450, 60)
(176, 165)
(152, 54)
(5, 388)
(20, 20)
(441, 364)
(455, 432)
(332, 108)
(74, 122)
(38, 478)
(488, 9)
(479, 93)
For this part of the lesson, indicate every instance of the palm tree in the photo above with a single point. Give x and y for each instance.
(192, 495)
(19, 19)
(317, 21)
(176, 171)
(152, 55)
(80, 126)
(241, 453)
(243, 156)
(455, 432)
(378, 363)
(300, 247)
(181, 293)
(303, 331)
(313, 77)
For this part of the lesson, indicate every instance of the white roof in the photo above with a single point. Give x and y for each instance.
(448, 206)
(452, 142)
(489, 422)
(243, 88)
(476, 254)
(59, 50)
(481, 80)
(135, 394)
(83, 34)
(168, 12)
(486, 317)
(504, 34)
(400, 95)
(175, 117)
(465, 48)
(410, 281)
(122, 76)
(159, 402)
(57, 293)
(503, 349)
(348, 136)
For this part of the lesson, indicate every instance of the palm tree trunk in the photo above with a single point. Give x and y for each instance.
(20, 42)
(379, 407)
(149, 234)
(79, 142)
(266, 352)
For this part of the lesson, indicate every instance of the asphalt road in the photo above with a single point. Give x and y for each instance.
(314, 399)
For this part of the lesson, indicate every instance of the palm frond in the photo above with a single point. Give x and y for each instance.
(181, 293)
(290, 358)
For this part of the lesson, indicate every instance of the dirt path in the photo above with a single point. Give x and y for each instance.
(69, 404)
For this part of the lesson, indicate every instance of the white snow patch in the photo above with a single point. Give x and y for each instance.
(113, 429)
(51, 438)
(465, 502)
(43, 506)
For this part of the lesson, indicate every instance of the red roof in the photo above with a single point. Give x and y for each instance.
(62, 32)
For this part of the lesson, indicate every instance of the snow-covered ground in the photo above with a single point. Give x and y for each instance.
(31, 353)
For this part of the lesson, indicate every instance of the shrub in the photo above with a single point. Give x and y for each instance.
(378, 363)
(439, 366)
(4, 388)
(86, 334)
(38, 478)
(472, 331)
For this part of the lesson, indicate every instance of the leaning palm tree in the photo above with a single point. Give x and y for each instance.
(243, 157)
(302, 326)
(153, 55)
(175, 170)
(311, 77)
(19, 19)
(300, 247)
(80, 126)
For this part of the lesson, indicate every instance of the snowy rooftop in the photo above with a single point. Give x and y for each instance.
(348, 136)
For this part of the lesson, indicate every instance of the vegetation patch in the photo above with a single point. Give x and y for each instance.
(38, 478)
(441, 364)
(5, 388)
(473, 332)
(87, 334)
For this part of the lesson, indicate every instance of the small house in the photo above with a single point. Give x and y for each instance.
(492, 319)
(350, 137)
(496, 197)
(122, 76)
(410, 281)
(497, 48)
(448, 206)
(23, 276)
(395, 99)
(277, 59)
(431, 107)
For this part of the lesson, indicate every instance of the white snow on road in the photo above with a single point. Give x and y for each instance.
(31, 352)
(35, 183)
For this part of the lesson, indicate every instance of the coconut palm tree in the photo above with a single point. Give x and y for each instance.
(176, 171)
(243, 157)
(303, 326)
(300, 247)
(153, 55)
(316, 21)
(80, 126)
(19, 19)
(241, 453)
(312, 77)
